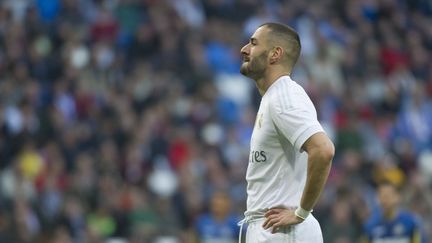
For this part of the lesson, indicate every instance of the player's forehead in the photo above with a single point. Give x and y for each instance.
(385, 189)
(260, 34)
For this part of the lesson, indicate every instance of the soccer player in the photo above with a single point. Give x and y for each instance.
(220, 224)
(290, 155)
(391, 224)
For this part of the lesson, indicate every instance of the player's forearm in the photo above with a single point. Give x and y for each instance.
(319, 164)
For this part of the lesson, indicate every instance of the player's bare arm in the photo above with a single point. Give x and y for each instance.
(320, 151)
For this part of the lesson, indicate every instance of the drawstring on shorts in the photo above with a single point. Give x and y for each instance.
(246, 220)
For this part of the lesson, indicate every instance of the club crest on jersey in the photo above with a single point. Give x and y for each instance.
(259, 120)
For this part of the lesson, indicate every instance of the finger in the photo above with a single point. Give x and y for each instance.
(276, 226)
(279, 224)
(267, 221)
(272, 211)
(269, 212)
(270, 223)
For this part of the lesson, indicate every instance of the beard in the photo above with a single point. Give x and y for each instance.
(255, 67)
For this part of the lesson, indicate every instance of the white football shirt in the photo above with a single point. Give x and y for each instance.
(276, 172)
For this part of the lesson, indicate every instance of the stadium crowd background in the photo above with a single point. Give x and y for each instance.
(128, 119)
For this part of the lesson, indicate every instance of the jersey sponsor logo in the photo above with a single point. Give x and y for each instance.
(257, 156)
(399, 229)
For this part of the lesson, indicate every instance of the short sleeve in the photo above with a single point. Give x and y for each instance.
(296, 121)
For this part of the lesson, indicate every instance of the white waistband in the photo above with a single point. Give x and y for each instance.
(252, 216)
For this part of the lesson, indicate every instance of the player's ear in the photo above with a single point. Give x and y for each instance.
(276, 54)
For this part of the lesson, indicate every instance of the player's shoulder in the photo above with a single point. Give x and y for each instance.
(285, 92)
(284, 85)
(204, 219)
(408, 217)
(373, 221)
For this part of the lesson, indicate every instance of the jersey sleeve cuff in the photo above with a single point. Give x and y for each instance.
(305, 135)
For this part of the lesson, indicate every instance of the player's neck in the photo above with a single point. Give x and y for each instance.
(220, 217)
(269, 78)
(391, 214)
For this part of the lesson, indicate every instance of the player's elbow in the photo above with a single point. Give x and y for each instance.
(326, 152)
(320, 147)
(329, 151)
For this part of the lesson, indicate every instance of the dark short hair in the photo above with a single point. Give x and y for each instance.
(286, 36)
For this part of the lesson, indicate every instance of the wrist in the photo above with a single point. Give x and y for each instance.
(302, 213)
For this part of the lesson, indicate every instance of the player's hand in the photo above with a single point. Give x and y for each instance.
(280, 217)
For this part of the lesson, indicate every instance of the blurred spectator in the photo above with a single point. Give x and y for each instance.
(6, 231)
(219, 224)
(101, 224)
(339, 227)
(389, 222)
(73, 218)
(26, 221)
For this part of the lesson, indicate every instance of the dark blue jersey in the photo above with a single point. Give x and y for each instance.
(404, 228)
(210, 230)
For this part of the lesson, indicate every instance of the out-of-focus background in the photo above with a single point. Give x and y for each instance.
(128, 120)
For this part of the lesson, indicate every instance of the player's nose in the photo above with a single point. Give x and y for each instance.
(245, 50)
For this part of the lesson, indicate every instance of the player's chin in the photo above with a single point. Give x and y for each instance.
(244, 69)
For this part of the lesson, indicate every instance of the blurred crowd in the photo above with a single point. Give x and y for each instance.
(128, 120)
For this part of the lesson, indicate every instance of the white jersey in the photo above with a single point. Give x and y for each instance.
(276, 173)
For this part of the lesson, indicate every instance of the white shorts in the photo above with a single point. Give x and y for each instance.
(309, 231)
